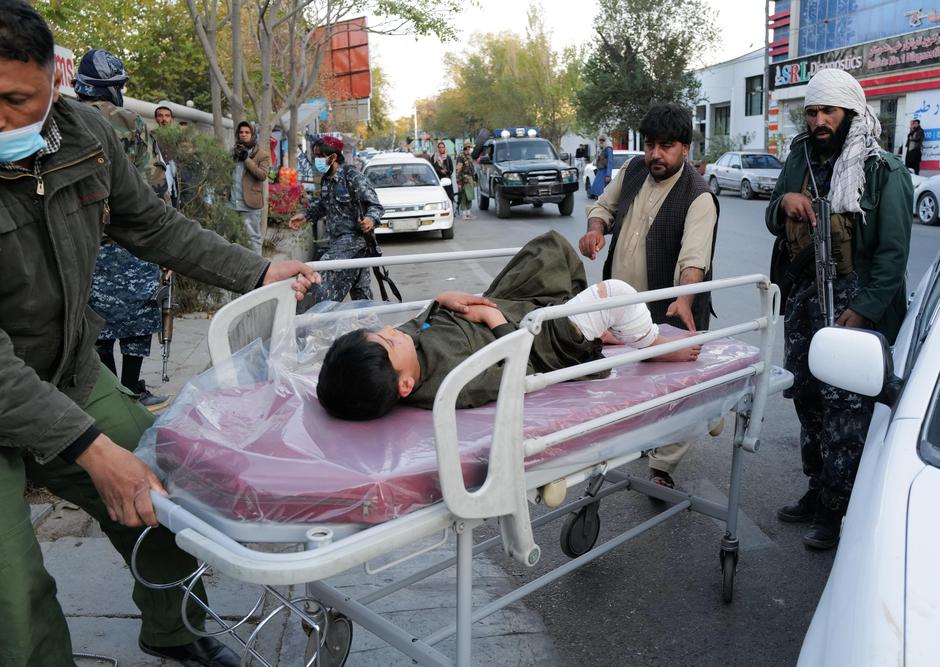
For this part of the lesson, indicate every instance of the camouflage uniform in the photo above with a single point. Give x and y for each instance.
(833, 422)
(465, 178)
(345, 197)
(123, 285)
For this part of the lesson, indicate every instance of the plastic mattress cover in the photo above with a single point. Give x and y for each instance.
(249, 440)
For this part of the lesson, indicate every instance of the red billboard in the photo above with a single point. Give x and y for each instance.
(345, 70)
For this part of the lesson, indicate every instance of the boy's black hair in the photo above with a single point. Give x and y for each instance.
(24, 34)
(357, 380)
(667, 122)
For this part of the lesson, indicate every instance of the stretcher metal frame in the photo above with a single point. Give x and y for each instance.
(327, 550)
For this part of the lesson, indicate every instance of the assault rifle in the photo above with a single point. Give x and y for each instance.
(164, 299)
(825, 264)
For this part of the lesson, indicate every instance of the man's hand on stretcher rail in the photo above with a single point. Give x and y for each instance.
(290, 268)
(123, 481)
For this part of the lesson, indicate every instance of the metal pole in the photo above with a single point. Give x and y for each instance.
(766, 75)
(464, 593)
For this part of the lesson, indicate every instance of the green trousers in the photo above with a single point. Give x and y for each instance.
(33, 631)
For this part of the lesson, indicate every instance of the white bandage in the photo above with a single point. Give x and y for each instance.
(631, 325)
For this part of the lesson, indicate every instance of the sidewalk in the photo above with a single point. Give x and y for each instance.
(95, 585)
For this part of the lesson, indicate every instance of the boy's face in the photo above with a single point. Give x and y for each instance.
(402, 354)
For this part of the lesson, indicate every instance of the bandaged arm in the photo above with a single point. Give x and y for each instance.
(631, 325)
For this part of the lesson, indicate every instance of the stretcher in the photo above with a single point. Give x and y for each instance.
(253, 459)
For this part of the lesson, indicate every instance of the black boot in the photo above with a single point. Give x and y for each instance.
(824, 532)
(802, 510)
(206, 651)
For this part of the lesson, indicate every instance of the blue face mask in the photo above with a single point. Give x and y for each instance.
(23, 141)
(319, 163)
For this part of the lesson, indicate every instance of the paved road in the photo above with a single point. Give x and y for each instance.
(656, 600)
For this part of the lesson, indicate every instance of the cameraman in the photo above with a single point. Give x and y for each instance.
(249, 180)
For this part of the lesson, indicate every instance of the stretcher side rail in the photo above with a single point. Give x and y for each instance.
(503, 492)
(282, 294)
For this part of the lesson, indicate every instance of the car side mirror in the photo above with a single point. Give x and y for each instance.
(735, 166)
(445, 182)
(565, 157)
(855, 360)
(485, 159)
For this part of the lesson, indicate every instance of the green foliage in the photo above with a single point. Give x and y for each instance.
(504, 79)
(719, 144)
(154, 38)
(643, 54)
(206, 169)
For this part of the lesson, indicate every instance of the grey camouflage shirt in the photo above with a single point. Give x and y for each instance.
(345, 197)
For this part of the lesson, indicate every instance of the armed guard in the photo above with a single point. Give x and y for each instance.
(123, 286)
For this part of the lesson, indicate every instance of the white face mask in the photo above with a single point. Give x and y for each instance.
(24, 141)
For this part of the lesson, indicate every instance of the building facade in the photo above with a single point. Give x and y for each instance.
(891, 46)
(730, 110)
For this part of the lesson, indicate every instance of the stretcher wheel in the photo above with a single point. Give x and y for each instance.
(729, 565)
(336, 643)
(579, 534)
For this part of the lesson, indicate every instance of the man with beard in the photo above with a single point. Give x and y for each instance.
(662, 221)
(870, 192)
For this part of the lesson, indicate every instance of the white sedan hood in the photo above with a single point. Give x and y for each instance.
(411, 196)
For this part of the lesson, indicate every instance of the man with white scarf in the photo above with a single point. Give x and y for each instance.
(870, 191)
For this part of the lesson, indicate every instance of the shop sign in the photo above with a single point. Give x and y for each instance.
(915, 49)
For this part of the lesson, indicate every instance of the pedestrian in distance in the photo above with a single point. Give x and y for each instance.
(123, 285)
(65, 422)
(352, 210)
(249, 181)
(444, 167)
(838, 158)
(915, 144)
(466, 180)
(663, 221)
(603, 169)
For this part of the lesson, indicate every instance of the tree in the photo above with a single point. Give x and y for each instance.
(506, 80)
(643, 55)
(154, 39)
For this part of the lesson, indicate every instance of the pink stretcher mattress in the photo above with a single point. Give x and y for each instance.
(264, 453)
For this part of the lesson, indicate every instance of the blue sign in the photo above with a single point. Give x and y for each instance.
(834, 24)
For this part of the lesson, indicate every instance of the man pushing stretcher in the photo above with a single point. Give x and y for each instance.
(366, 373)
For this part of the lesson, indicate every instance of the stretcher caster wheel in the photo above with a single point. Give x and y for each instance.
(729, 565)
(334, 645)
(579, 534)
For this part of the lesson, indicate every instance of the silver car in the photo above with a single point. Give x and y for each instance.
(750, 174)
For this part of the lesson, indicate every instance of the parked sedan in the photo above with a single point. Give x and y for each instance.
(621, 157)
(412, 195)
(748, 173)
(881, 605)
(927, 199)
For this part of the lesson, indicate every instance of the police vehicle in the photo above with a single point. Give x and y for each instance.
(517, 166)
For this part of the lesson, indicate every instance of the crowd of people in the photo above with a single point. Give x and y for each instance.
(87, 220)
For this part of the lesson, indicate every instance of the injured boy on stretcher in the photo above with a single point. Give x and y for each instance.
(365, 373)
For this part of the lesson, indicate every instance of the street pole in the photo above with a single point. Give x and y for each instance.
(767, 76)
(416, 124)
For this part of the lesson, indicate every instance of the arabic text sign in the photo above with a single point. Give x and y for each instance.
(927, 111)
(915, 49)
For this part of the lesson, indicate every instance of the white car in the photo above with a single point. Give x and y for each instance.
(412, 195)
(621, 157)
(927, 199)
(881, 605)
(749, 173)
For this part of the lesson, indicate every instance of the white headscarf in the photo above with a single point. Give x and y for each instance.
(837, 88)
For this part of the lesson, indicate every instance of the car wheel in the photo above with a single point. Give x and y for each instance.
(566, 205)
(502, 205)
(746, 191)
(448, 233)
(927, 208)
(713, 186)
(484, 202)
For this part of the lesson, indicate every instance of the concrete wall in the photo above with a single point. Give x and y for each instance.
(723, 85)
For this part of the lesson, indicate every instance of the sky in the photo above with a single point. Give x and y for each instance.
(415, 67)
